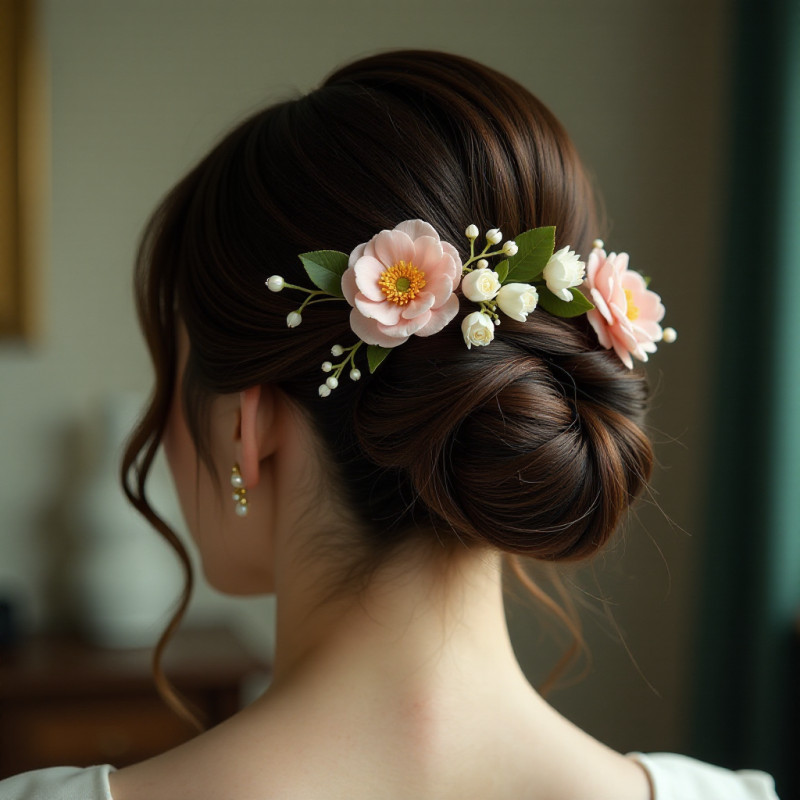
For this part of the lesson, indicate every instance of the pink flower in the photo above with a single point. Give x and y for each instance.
(626, 313)
(401, 283)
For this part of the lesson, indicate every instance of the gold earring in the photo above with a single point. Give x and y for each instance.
(239, 492)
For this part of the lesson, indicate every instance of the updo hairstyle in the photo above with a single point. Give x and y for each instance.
(533, 444)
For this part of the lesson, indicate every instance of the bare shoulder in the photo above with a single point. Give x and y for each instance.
(289, 758)
(249, 756)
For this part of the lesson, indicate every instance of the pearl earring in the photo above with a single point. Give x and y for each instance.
(239, 492)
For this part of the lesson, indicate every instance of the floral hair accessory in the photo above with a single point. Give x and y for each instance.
(626, 314)
(404, 282)
(401, 283)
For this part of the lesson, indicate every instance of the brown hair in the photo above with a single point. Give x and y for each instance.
(532, 445)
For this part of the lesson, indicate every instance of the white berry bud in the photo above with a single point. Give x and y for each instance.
(337, 350)
(482, 264)
(331, 383)
(324, 391)
(472, 232)
(327, 366)
(669, 335)
(355, 374)
(293, 319)
(494, 236)
(275, 283)
(510, 248)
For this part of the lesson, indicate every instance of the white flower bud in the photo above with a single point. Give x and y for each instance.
(494, 236)
(293, 319)
(598, 244)
(355, 374)
(480, 284)
(477, 329)
(331, 383)
(563, 270)
(517, 300)
(275, 283)
(669, 335)
(482, 264)
(471, 232)
(337, 350)
(510, 248)
(324, 391)
(327, 366)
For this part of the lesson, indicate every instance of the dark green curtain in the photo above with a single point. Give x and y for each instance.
(747, 703)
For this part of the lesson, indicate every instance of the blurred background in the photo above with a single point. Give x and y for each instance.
(687, 113)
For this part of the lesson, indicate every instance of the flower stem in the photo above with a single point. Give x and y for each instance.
(301, 288)
(310, 300)
(350, 358)
(483, 254)
(489, 307)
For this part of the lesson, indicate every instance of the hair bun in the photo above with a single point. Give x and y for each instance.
(533, 445)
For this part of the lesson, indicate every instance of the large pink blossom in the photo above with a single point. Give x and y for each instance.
(401, 283)
(626, 312)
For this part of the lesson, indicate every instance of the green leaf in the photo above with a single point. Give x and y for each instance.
(559, 308)
(535, 248)
(375, 355)
(325, 269)
(502, 270)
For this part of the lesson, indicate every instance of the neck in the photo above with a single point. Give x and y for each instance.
(420, 629)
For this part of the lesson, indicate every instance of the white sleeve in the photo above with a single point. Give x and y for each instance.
(676, 777)
(58, 783)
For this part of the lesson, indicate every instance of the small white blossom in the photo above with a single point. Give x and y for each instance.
(275, 283)
(331, 383)
(517, 300)
(510, 248)
(669, 335)
(327, 366)
(478, 329)
(324, 391)
(472, 232)
(482, 264)
(494, 236)
(355, 374)
(337, 350)
(563, 270)
(293, 319)
(479, 285)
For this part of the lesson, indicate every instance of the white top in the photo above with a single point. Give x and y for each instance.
(672, 777)
(675, 777)
(59, 783)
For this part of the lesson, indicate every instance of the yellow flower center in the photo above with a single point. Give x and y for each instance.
(401, 282)
(633, 311)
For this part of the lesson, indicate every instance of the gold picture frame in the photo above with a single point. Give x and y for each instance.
(23, 166)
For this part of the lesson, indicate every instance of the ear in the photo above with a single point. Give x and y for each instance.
(257, 431)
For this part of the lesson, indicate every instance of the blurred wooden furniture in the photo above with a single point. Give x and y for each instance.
(63, 702)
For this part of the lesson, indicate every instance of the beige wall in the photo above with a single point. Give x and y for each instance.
(140, 88)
